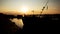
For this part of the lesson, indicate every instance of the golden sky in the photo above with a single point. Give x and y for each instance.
(19, 6)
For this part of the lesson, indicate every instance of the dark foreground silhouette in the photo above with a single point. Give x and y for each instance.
(6, 26)
(32, 24)
(44, 23)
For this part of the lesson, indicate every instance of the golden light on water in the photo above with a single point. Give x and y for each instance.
(18, 22)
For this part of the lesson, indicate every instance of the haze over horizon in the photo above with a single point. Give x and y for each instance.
(19, 6)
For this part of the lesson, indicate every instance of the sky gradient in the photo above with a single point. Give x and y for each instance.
(36, 5)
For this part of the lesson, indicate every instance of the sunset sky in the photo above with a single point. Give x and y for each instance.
(29, 5)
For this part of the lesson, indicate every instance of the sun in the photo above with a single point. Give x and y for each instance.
(24, 9)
